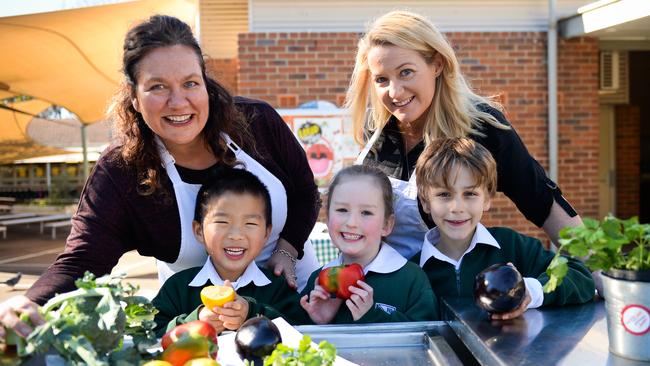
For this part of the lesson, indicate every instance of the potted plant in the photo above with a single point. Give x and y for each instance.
(621, 249)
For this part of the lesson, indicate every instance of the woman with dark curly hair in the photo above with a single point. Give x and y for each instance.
(176, 128)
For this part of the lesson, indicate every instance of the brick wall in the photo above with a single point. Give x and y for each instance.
(579, 124)
(224, 71)
(286, 68)
(628, 160)
(512, 67)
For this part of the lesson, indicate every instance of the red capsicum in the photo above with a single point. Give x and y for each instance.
(336, 280)
(194, 339)
(196, 328)
(185, 348)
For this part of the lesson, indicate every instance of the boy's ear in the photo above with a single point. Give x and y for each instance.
(425, 205)
(269, 227)
(487, 203)
(388, 225)
(197, 228)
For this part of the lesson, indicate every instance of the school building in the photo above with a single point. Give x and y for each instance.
(291, 52)
(50, 164)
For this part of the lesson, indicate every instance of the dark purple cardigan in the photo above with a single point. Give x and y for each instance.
(112, 218)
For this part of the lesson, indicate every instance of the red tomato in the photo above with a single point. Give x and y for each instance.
(336, 280)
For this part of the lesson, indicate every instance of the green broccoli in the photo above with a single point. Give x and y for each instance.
(87, 326)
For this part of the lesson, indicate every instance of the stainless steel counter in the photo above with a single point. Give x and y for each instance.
(404, 344)
(569, 335)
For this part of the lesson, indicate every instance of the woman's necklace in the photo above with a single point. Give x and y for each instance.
(409, 143)
(410, 138)
(406, 158)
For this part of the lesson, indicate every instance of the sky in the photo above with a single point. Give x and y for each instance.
(21, 7)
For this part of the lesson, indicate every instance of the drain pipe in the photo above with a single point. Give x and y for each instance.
(552, 91)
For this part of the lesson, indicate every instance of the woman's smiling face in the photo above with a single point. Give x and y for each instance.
(403, 81)
(171, 95)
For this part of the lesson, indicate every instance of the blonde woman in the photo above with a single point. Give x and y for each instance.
(407, 90)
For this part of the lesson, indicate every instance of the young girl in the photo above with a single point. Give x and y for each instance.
(360, 213)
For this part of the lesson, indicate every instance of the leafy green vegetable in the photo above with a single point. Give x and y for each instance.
(87, 326)
(305, 355)
(612, 243)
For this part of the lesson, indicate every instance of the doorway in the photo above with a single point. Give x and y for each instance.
(640, 97)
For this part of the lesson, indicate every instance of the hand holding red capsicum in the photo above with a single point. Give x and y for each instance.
(361, 300)
(320, 306)
(337, 280)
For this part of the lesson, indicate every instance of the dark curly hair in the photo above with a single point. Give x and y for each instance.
(138, 145)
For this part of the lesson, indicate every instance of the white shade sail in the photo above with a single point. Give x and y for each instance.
(71, 58)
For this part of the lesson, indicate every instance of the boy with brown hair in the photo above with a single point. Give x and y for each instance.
(456, 179)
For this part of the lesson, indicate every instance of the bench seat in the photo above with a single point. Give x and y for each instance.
(57, 224)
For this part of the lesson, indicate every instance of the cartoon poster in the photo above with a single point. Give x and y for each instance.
(326, 146)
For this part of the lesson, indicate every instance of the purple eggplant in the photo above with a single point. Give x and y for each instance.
(257, 338)
(500, 288)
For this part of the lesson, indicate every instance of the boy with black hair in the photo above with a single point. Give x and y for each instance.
(233, 220)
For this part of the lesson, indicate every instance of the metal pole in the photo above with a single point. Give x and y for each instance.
(84, 150)
(48, 175)
(552, 92)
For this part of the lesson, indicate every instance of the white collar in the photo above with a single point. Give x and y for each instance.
(251, 274)
(432, 237)
(166, 157)
(387, 260)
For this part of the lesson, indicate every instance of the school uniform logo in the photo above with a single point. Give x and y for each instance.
(388, 309)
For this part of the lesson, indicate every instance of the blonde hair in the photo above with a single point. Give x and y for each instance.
(453, 111)
(438, 163)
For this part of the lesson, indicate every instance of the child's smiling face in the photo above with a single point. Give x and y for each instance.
(457, 209)
(357, 219)
(234, 231)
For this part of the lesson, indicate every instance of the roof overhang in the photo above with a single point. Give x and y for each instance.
(610, 20)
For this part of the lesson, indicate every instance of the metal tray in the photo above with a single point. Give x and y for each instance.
(404, 344)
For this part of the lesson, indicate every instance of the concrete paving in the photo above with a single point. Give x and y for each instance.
(28, 251)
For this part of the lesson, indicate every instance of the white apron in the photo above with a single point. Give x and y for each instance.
(408, 233)
(193, 254)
